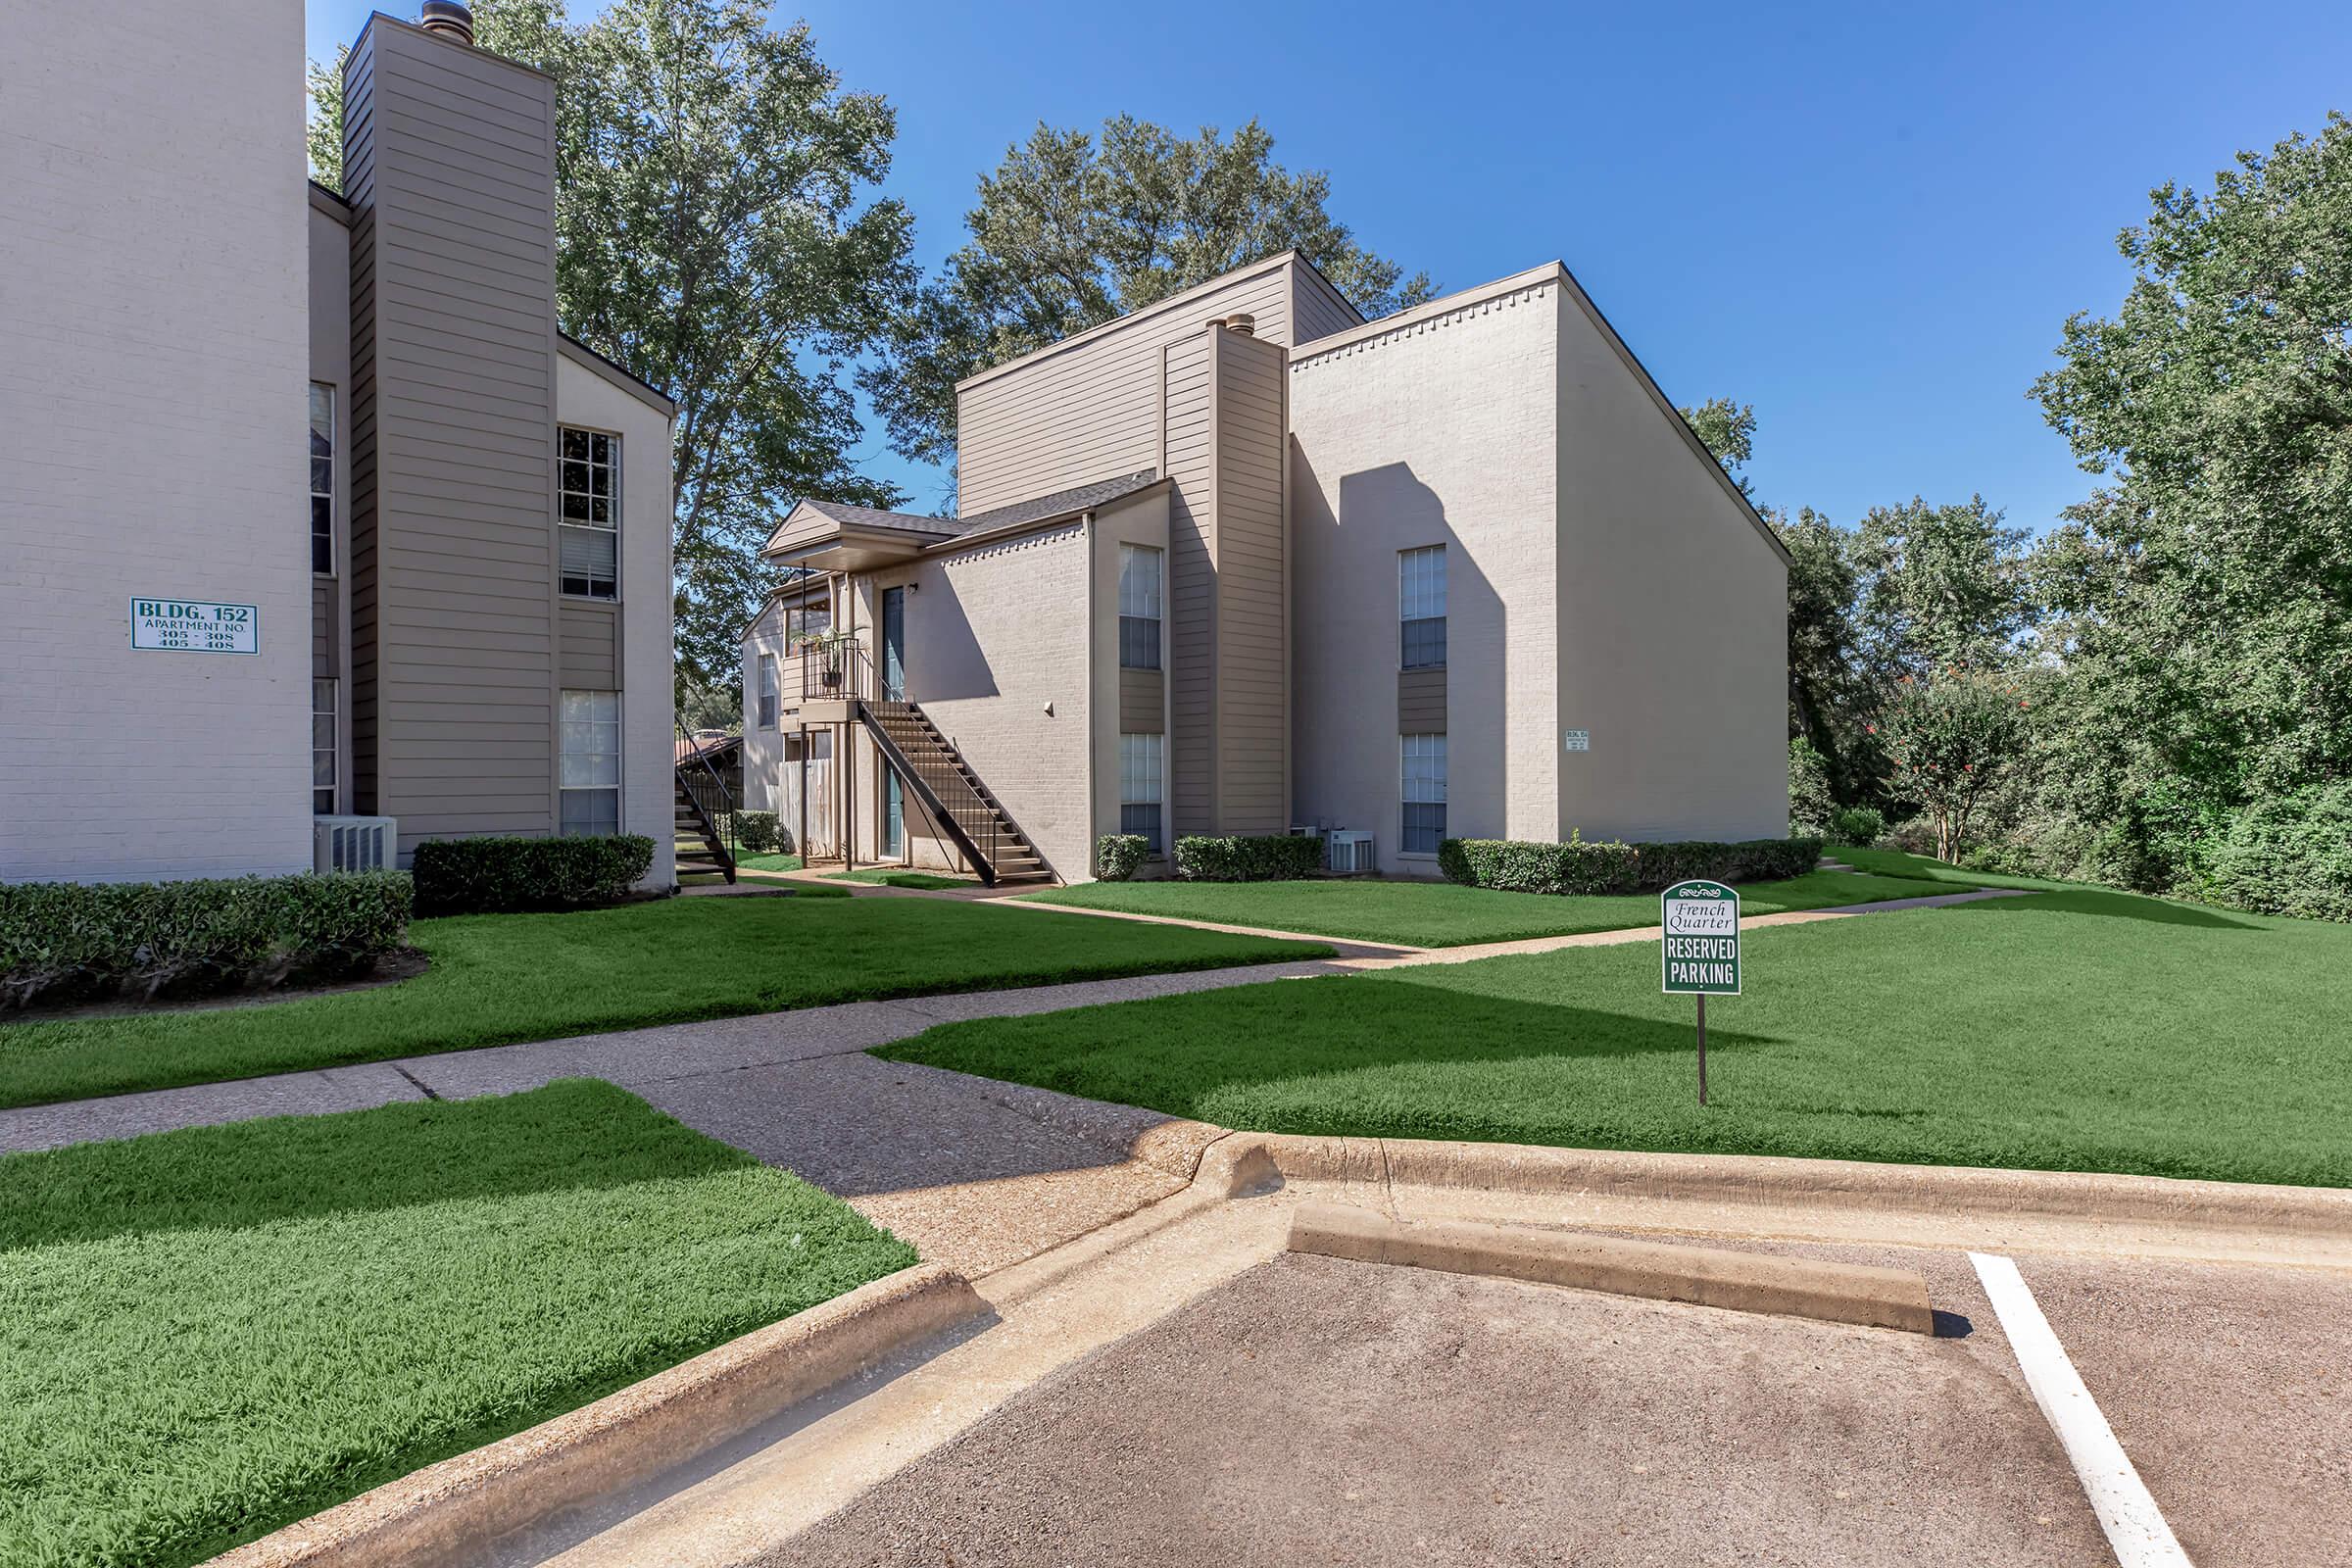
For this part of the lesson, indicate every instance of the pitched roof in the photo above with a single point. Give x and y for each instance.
(1060, 504)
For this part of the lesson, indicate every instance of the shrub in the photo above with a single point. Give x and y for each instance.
(2288, 855)
(503, 875)
(67, 941)
(1809, 802)
(1119, 856)
(1263, 858)
(1577, 868)
(1858, 826)
(756, 831)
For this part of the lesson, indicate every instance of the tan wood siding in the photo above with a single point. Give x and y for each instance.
(1421, 702)
(1252, 596)
(1091, 410)
(450, 163)
(1317, 309)
(1192, 589)
(1142, 702)
(591, 647)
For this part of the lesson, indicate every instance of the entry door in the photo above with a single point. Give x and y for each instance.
(893, 645)
(894, 816)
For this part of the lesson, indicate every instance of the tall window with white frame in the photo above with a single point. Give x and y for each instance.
(322, 478)
(588, 512)
(1421, 607)
(768, 691)
(1424, 794)
(322, 747)
(1139, 606)
(591, 762)
(1140, 765)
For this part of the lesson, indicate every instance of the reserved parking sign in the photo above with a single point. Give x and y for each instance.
(1701, 949)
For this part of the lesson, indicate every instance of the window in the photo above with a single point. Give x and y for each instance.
(591, 764)
(322, 478)
(1423, 793)
(1421, 605)
(323, 747)
(767, 691)
(811, 622)
(1139, 606)
(1139, 786)
(588, 506)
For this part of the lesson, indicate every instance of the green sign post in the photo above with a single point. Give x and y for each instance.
(1698, 951)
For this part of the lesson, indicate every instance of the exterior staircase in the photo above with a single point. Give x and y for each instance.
(939, 776)
(701, 801)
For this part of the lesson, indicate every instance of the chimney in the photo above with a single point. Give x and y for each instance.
(449, 18)
(1241, 321)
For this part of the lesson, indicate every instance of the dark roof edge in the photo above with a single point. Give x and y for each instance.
(620, 375)
(333, 204)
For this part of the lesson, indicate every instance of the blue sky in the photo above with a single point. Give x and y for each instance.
(1868, 221)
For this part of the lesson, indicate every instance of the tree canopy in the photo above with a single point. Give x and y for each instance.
(1074, 230)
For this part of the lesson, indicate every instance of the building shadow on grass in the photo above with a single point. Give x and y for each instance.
(570, 1136)
(2113, 905)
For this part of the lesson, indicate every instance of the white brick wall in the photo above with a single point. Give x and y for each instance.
(648, 696)
(153, 365)
(1442, 433)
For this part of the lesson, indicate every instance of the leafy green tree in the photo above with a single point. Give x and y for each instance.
(1950, 738)
(1728, 429)
(1074, 230)
(715, 235)
(2203, 593)
(1825, 696)
(1941, 586)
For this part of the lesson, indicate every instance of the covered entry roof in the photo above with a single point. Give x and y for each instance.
(834, 536)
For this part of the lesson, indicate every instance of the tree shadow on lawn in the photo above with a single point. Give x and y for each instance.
(570, 1136)
(2117, 906)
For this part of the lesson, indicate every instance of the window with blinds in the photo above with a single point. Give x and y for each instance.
(588, 512)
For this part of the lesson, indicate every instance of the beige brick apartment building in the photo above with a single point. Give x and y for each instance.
(1245, 562)
(307, 512)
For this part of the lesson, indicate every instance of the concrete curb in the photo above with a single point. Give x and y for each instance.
(1741, 1282)
(2323, 1212)
(440, 1512)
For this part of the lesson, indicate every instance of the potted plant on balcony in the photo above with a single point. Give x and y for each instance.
(830, 649)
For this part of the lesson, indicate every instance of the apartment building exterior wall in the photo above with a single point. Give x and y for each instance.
(1433, 427)
(1673, 614)
(153, 355)
(629, 639)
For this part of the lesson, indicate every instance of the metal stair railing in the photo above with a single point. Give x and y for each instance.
(926, 760)
(712, 803)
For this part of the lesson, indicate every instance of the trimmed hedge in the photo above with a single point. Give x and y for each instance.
(70, 940)
(1119, 856)
(1261, 858)
(1577, 868)
(509, 875)
(758, 831)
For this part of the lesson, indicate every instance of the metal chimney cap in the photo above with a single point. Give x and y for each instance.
(449, 18)
(1241, 321)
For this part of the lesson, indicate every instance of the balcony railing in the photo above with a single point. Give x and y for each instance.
(835, 672)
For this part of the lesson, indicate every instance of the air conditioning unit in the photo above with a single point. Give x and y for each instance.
(354, 843)
(1348, 853)
(1307, 831)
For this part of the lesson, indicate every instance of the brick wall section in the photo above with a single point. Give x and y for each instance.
(152, 363)
(1443, 434)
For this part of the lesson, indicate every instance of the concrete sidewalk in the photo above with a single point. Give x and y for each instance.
(976, 1175)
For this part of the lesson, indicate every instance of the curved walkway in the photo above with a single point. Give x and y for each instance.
(975, 1174)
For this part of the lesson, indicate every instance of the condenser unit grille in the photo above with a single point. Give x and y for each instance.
(1345, 854)
(354, 843)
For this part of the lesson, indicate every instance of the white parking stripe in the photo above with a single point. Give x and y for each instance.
(2134, 1527)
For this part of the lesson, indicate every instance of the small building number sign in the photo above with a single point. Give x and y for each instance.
(194, 627)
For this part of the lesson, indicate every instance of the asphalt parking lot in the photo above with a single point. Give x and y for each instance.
(1312, 1410)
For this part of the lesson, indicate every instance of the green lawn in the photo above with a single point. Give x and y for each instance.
(900, 877)
(205, 1335)
(497, 978)
(2084, 1030)
(1445, 915)
(768, 862)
